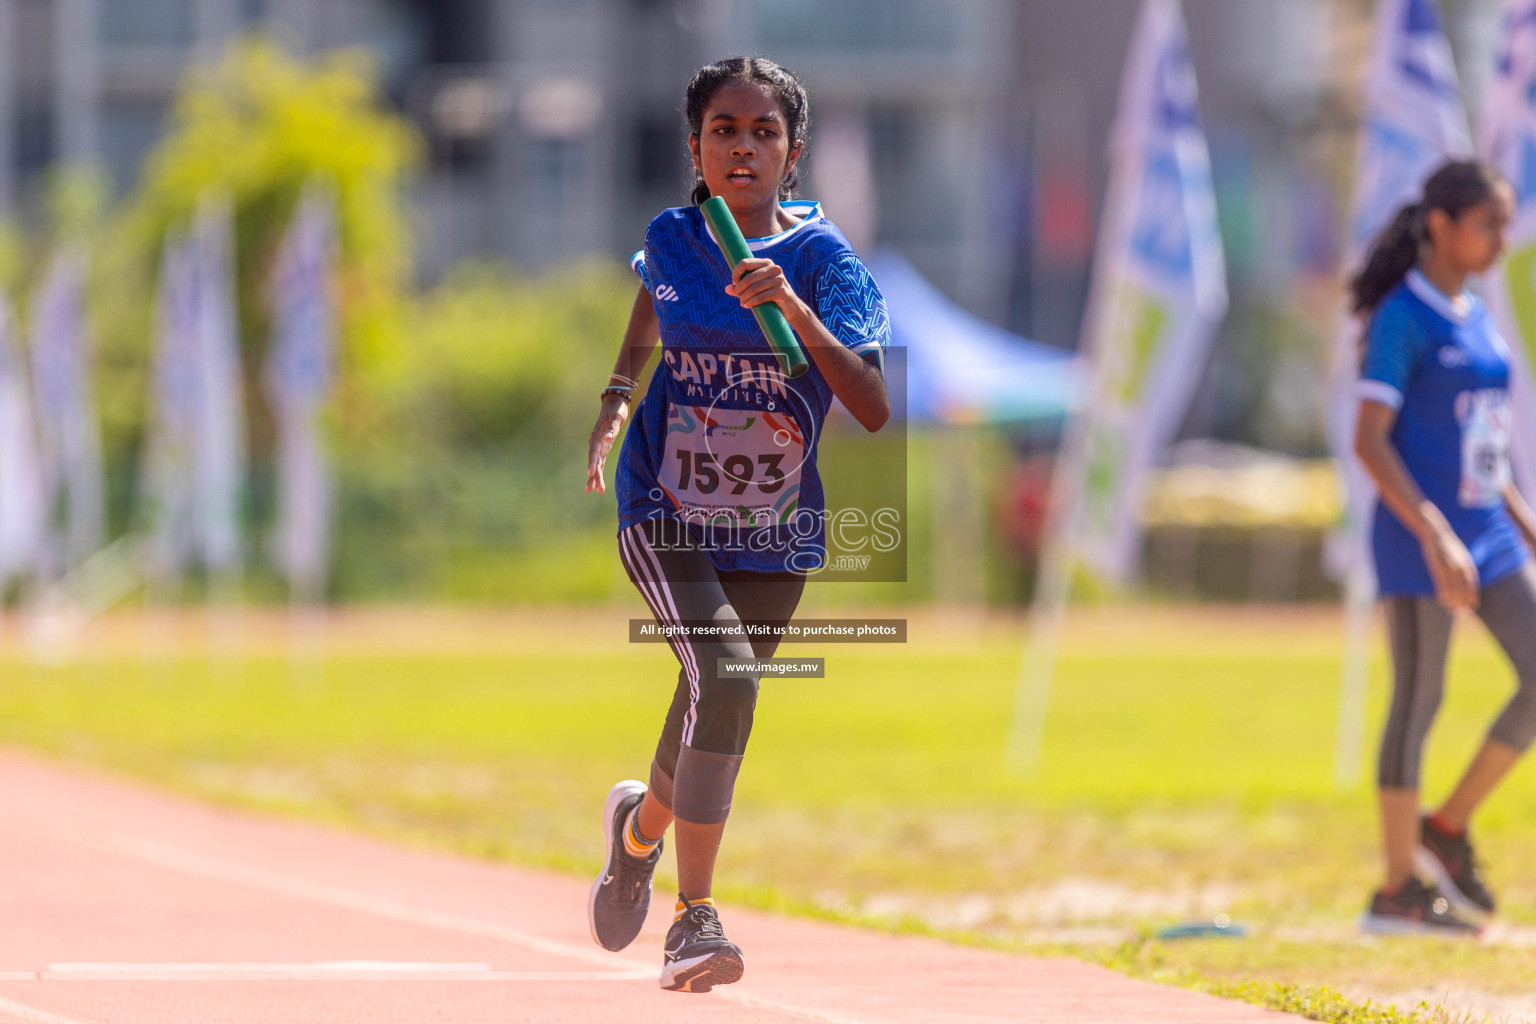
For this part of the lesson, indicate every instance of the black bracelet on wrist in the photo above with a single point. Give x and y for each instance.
(621, 391)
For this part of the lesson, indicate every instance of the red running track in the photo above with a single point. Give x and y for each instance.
(122, 904)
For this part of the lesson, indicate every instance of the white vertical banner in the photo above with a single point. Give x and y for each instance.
(1414, 121)
(166, 488)
(1507, 138)
(300, 368)
(68, 432)
(194, 475)
(219, 452)
(1159, 290)
(21, 481)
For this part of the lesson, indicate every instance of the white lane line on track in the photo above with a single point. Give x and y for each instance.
(31, 1014)
(306, 972)
(789, 1011)
(164, 855)
(160, 854)
(320, 966)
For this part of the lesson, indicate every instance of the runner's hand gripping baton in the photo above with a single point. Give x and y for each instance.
(769, 317)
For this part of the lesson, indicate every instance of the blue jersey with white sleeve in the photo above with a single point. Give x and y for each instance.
(723, 441)
(1446, 371)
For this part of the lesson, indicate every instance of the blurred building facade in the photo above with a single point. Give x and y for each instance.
(92, 81)
(554, 127)
(583, 141)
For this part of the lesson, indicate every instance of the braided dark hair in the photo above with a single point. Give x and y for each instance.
(781, 82)
(1455, 187)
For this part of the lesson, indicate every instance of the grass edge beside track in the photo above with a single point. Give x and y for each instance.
(1141, 958)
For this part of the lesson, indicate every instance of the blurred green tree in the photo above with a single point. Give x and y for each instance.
(476, 492)
(460, 421)
(255, 125)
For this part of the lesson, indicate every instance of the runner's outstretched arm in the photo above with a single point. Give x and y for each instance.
(640, 340)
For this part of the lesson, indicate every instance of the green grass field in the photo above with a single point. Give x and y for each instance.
(1187, 770)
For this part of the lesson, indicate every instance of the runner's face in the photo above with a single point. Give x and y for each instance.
(742, 150)
(1476, 239)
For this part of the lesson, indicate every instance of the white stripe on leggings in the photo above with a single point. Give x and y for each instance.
(647, 568)
(686, 653)
(641, 559)
(641, 575)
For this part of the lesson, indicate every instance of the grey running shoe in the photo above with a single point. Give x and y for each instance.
(698, 955)
(621, 893)
(1451, 862)
(1415, 909)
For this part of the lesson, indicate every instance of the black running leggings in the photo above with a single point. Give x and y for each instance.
(1420, 631)
(705, 734)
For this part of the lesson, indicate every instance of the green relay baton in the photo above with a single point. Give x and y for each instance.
(769, 317)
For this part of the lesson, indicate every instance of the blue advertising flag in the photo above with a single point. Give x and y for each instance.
(1414, 121)
(1159, 290)
(1507, 138)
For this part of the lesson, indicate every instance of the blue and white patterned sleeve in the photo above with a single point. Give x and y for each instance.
(637, 264)
(849, 304)
(1394, 343)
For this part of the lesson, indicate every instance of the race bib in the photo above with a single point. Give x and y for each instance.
(738, 466)
(1485, 422)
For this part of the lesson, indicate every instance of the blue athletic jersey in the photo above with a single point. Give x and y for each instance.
(722, 440)
(1446, 372)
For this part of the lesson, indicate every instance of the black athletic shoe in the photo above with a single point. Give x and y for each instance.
(698, 955)
(1451, 862)
(621, 893)
(1415, 909)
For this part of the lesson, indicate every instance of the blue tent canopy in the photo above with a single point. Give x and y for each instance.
(961, 369)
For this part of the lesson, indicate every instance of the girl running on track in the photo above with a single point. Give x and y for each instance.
(720, 504)
(1450, 532)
